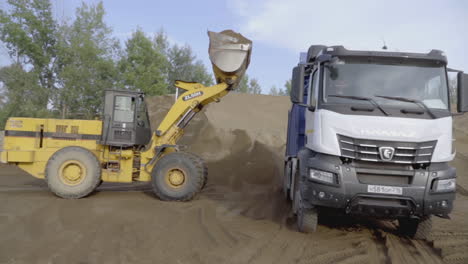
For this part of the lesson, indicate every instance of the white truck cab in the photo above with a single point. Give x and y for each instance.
(370, 133)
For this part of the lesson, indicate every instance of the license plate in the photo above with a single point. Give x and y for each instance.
(384, 189)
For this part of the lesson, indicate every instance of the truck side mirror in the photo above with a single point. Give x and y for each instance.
(462, 91)
(297, 84)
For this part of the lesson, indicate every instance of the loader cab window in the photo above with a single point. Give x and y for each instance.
(142, 113)
(124, 109)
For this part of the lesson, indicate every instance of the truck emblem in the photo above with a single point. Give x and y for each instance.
(192, 95)
(386, 153)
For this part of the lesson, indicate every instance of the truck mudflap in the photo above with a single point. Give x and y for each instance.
(349, 193)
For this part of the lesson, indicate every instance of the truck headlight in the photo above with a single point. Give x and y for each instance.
(446, 185)
(322, 176)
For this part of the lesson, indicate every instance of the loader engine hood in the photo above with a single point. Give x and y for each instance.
(331, 127)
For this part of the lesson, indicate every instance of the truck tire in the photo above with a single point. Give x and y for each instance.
(73, 172)
(416, 228)
(287, 179)
(307, 220)
(178, 176)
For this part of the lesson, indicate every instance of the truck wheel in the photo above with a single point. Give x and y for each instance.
(416, 228)
(307, 220)
(287, 179)
(178, 176)
(73, 172)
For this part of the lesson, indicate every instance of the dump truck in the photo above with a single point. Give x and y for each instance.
(370, 135)
(75, 156)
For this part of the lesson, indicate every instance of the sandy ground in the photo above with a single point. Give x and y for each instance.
(240, 217)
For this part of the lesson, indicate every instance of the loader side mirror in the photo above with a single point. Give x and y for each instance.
(297, 84)
(462, 91)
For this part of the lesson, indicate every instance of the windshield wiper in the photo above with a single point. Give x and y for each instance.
(409, 100)
(372, 101)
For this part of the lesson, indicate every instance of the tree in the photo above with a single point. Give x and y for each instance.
(144, 66)
(29, 32)
(183, 64)
(21, 93)
(185, 67)
(287, 87)
(274, 90)
(247, 85)
(254, 87)
(277, 91)
(86, 65)
(243, 86)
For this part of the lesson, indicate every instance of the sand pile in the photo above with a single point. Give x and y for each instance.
(243, 140)
(461, 122)
(240, 217)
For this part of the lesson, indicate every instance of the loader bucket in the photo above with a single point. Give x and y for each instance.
(229, 55)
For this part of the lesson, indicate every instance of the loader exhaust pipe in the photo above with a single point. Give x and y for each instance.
(229, 55)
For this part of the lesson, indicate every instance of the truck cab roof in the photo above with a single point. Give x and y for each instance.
(433, 56)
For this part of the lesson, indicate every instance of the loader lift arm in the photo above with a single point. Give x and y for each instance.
(230, 57)
(171, 129)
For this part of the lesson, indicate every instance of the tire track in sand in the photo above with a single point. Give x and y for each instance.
(453, 246)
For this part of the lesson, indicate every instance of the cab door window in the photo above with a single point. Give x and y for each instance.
(124, 109)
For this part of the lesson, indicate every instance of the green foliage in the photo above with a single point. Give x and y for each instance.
(62, 69)
(29, 32)
(274, 90)
(287, 87)
(144, 66)
(254, 87)
(86, 66)
(243, 86)
(281, 92)
(182, 63)
(247, 85)
(23, 96)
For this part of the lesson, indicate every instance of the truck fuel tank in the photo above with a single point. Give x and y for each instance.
(229, 55)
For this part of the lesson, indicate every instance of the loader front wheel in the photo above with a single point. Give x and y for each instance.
(178, 176)
(73, 172)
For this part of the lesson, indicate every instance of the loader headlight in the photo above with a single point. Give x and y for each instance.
(445, 185)
(322, 176)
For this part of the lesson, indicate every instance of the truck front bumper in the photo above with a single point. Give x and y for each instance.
(350, 192)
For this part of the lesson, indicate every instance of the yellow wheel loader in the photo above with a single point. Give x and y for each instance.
(75, 156)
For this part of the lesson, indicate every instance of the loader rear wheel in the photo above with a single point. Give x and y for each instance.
(73, 172)
(178, 176)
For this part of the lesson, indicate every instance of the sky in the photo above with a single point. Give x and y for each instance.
(281, 29)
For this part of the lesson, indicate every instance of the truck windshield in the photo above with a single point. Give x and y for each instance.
(422, 83)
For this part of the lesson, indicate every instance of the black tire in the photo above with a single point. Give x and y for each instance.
(307, 220)
(193, 171)
(77, 161)
(205, 169)
(296, 199)
(416, 228)
(287, 173)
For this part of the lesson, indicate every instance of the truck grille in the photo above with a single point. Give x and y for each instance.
(369, 150)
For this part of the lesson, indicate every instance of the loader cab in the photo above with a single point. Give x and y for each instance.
(125, 121)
